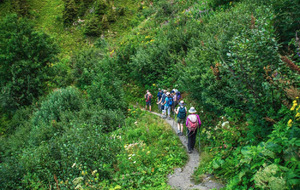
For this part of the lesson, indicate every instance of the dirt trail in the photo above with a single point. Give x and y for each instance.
(181, 178)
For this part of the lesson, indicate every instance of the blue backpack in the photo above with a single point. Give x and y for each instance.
(169, 101)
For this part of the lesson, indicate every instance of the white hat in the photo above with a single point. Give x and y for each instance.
(181, 103)
(192, 110)
(168, 93)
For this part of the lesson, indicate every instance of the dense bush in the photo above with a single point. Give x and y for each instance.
(59, 101)
(148, 152)
(66, 130)
(21, 7)
(70, 12)
(25, 57)
(286, 20)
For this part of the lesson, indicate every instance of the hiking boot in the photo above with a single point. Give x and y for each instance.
(190, 152)
(181, 134)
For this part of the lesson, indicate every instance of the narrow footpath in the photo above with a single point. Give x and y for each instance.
(181, 178)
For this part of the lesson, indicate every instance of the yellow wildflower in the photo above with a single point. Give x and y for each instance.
(294, 105)
(153, 84)
(290, 122)
(297, 115)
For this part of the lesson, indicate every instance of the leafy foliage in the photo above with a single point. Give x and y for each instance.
(25, 57)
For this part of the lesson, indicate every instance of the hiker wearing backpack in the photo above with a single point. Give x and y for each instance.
(181, 112)
(178, 95)
(163, 101)
(168, 104)
(159, 96)
(148, 97)
(193, 122)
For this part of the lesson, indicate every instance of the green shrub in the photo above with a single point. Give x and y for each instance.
(84, 65)
(286, 20)
(21, 7)
(70, 12)
(25, 56)
(59, 101)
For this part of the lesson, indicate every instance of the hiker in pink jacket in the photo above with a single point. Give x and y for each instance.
(193, 122)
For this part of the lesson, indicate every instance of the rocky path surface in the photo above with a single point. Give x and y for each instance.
(181, 178)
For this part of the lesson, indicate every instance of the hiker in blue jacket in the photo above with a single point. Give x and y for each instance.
(162, 102)
(181, 112)
(168, 104)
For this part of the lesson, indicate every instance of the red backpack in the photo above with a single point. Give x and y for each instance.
(148, 97)
(192, 123)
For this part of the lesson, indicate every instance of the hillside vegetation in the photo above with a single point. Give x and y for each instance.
(70, 71)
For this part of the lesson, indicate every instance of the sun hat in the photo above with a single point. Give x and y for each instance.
(192, 110)
(181, 103)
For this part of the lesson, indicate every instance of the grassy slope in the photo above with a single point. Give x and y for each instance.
(47, 16)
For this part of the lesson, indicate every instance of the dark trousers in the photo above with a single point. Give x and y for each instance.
(191, 139)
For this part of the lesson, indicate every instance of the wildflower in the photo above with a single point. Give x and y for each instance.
(148, 152)
(77, 180)
(153, 84)
(134, 162)
(297, 115)
(294, 105)
(129, 158)
(290, 122)
(93, 173)
(226, 123)
(73, 165)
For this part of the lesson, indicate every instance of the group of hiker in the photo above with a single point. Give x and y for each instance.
(170, 102)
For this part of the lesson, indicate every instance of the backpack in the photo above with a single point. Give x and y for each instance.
(192, 123)
(169, 101)
(178, 96)
(148, 97)
(181, 113)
